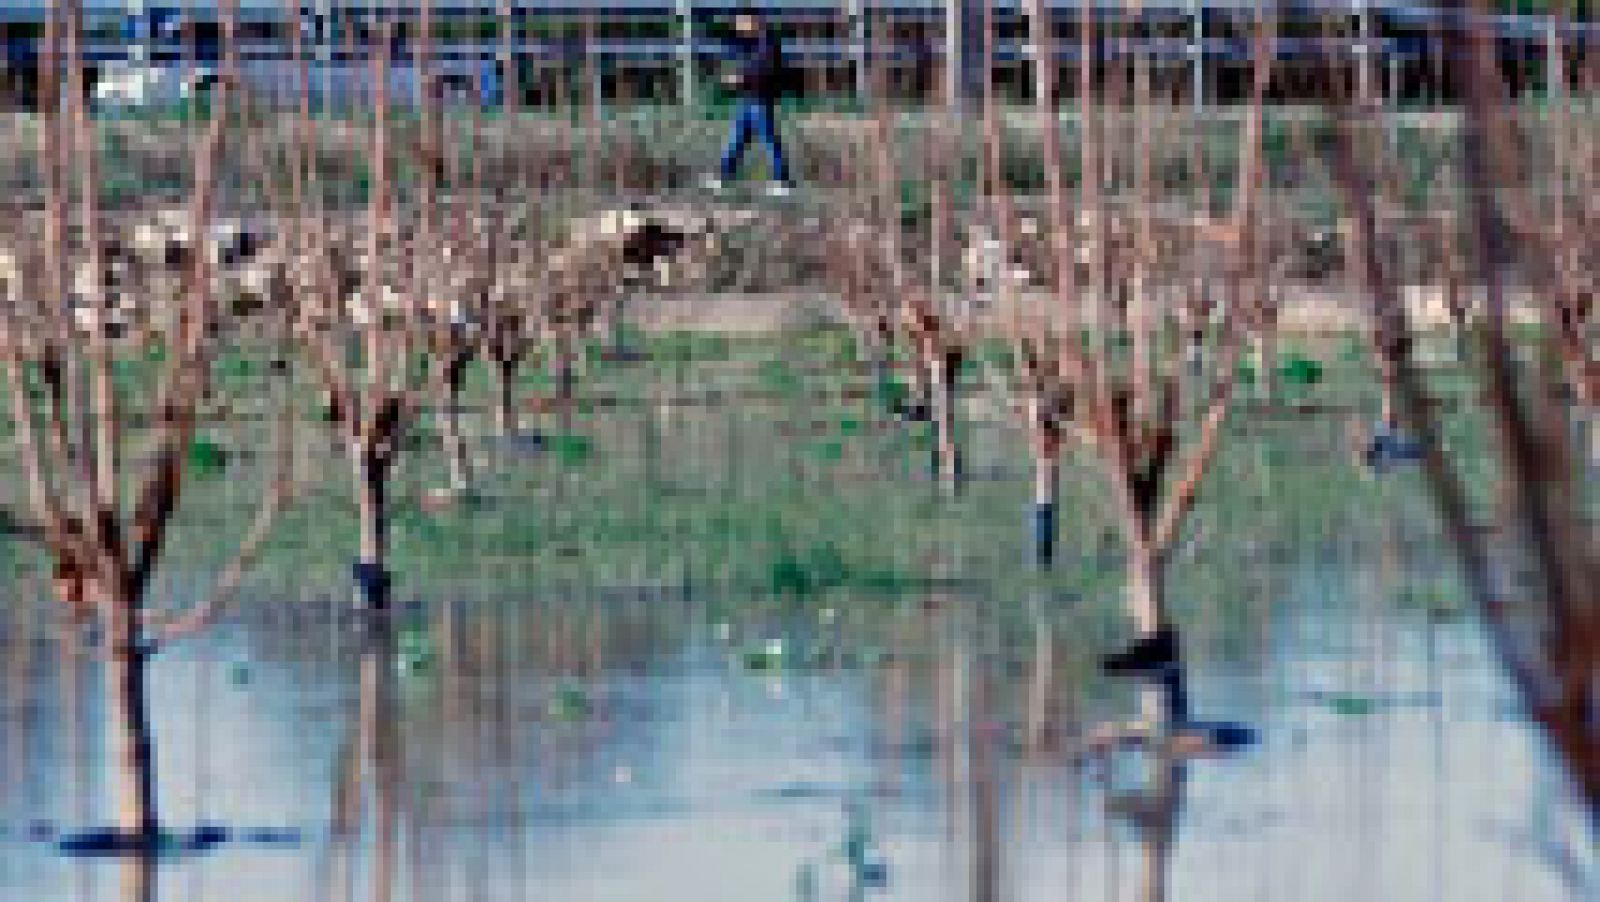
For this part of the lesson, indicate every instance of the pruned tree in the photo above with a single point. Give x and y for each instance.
(935, 342)
(359, 310)
(508, 251)
(1125, 392)
(103, 510)
(447, 259)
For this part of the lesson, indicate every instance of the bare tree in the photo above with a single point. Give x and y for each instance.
(1122, 394)
(103, 517)
(358, 319)
(935, 343)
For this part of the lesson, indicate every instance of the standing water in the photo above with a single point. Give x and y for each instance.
(708, 661)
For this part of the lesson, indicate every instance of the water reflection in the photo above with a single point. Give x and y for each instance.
(630, 746)
(367, 775)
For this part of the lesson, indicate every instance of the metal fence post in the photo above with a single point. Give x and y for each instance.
(324, 37)
(855, 23)
(1555, 76)
(1363, 50)
(964, 50)
(1197, 56)
(686, 56)
(139, 23)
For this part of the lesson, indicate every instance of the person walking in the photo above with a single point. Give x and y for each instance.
(759, 80)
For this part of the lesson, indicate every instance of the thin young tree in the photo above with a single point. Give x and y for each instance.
(358, 319)
(935, 343)
(446, 262)
(1126, 380)
(506, 338)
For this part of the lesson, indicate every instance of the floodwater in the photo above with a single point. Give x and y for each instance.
(624, 735)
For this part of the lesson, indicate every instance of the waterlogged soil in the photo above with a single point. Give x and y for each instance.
(714, 633)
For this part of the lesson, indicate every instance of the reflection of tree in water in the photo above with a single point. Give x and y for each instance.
(1152, 810)
(472, 722)
(370, 772)
(1007, 722)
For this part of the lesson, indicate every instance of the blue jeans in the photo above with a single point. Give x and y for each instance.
(755, 119)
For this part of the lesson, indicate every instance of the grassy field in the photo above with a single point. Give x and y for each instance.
(768, 467)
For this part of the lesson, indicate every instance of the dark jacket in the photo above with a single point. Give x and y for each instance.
(762, 72)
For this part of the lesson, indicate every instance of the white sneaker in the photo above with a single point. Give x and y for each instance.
(713, 184)
(779, 189)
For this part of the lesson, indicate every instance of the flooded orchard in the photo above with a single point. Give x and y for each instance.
(1115, 479)
(723, 635)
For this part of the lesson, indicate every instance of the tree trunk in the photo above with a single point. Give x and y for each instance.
(505, 414)
(1265, 353)
(876, 353)
(1592, 426)
(455, 442)
(566, 373)
(372, 578)
(1046, 490)
(942, 384)
(921, 388)
(1195, 354)
(373, 507)
(128, 719)
(1146, 587)
(1388, 377)
(1460, 333)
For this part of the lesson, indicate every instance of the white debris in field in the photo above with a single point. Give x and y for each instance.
(174, 219)
(222, 239)
(358, 310)
(84, 281)
(10, 278)
(149, 236)
(257, 279)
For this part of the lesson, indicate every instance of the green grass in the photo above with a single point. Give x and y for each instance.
(801, 497)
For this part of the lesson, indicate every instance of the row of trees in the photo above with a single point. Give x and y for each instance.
(381, 277)
(1161, 277)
